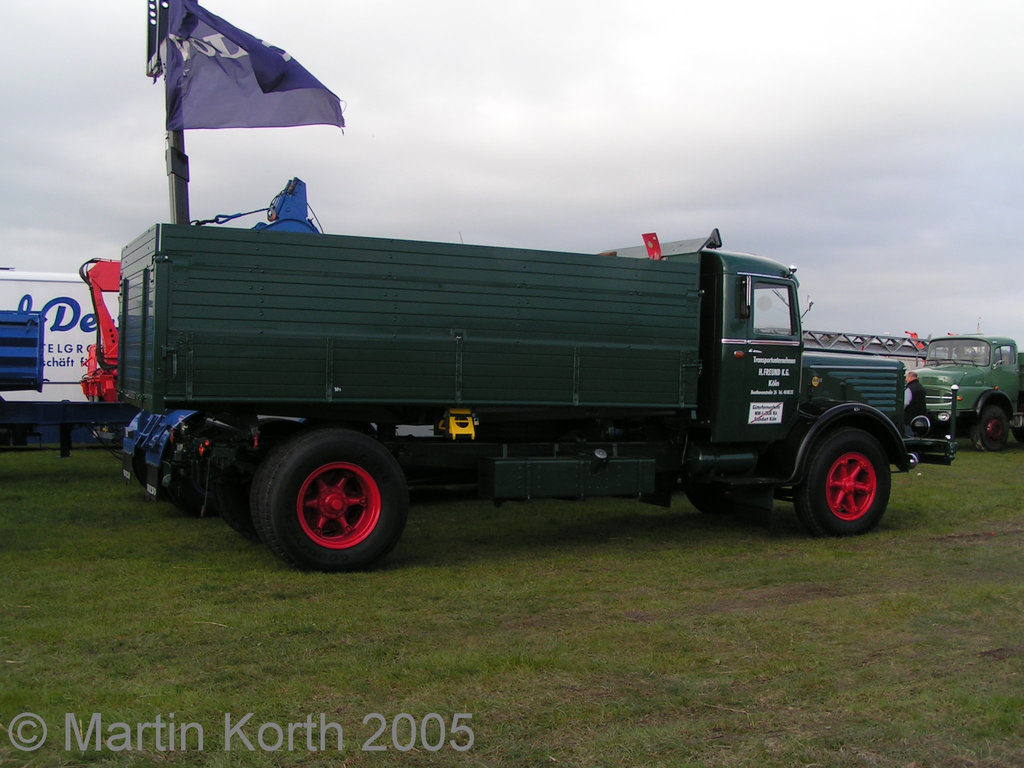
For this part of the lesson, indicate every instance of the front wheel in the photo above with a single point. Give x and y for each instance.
(846, 489)
(989, 432)
(330, 500)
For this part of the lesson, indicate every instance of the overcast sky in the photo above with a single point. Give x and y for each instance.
(879, 146)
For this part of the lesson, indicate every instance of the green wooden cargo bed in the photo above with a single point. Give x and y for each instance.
(272, 320)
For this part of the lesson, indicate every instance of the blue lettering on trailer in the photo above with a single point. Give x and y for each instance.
(62, 313)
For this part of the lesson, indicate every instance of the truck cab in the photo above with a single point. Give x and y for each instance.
(751, 385)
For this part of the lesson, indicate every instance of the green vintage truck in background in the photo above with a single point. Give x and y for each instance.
(988, 371)
(304, 381)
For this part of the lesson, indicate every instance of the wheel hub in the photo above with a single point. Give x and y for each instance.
(851, 486)
(338, 505)
(994, 429)
(332, 502)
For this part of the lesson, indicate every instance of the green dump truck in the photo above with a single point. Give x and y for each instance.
(302, 383)
(988, 371)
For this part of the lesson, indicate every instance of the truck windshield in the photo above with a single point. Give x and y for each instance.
(961, 351)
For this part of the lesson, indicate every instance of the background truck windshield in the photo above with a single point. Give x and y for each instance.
(970, 351)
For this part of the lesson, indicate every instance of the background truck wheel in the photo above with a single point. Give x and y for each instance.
(846, 489)
(330, 500)
(1018, 434)
(989, 433)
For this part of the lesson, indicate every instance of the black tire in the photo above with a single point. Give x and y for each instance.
(989, 433)
(231, 490)
(330, 500)
(232, 487)
(1018, 434)
(846, 487)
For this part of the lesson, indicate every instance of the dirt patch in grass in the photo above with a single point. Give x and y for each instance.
(999, 654)
(994, 536)
(762, 598)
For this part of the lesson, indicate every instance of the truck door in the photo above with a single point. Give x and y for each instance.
(1005, 373)
(760, 363)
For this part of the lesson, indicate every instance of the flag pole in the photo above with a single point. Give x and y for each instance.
(177, 160)
(177, 176)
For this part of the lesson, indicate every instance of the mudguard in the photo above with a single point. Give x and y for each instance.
(816, 419)
(145, 441)
(992, 397)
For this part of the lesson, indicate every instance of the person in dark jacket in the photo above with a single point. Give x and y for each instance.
(913, 399)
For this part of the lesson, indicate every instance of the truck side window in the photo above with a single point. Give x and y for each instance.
(772, 309)
(1005, 356)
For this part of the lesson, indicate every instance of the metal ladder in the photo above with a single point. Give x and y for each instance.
(907, 345)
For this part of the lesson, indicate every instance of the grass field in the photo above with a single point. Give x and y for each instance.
(598, 633)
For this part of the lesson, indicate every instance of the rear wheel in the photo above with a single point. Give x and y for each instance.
(232, 487)
(846, 489)
(989, 433)
(330, 500)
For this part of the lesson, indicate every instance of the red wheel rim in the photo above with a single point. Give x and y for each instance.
(850, 486)
(994, 429)
(338, 505)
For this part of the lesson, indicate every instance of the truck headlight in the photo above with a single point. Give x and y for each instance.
(942, 416)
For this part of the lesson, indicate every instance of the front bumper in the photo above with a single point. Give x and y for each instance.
(929, 451)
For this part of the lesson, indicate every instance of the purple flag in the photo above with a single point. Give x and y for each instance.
(218, 76)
